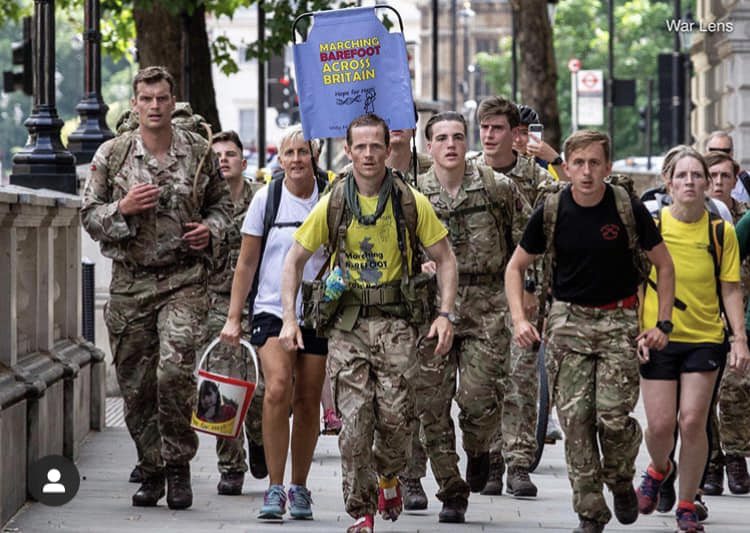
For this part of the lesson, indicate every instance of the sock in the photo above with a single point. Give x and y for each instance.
(690, 506)
(654, 473)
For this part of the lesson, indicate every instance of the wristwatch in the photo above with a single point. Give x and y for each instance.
(665, 326)
(449, 315)
(556, 161)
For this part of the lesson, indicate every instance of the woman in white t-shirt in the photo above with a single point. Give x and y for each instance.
(298, 196)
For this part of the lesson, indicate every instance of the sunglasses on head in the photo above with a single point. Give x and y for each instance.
(725, 150)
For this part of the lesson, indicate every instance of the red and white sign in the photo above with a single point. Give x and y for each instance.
(574, 65)
(590, 82)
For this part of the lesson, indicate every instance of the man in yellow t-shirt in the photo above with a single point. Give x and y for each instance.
(372, 340)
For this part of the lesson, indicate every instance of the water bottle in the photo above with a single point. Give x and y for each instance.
(335, 285)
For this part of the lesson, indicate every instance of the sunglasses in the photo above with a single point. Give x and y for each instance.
(725, 150)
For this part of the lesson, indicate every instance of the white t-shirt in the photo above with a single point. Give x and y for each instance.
(291, 209)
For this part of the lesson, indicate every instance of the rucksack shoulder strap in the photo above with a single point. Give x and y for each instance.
(624, 205)
(408, 207)
(119, 153)
(273, 200)
(335, 211)
(716, 226)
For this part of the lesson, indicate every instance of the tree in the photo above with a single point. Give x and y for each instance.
(538, 71)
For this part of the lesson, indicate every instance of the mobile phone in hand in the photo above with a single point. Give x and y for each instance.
(535, 134)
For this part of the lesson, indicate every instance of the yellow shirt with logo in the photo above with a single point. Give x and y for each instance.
(372, 253)
(695, 283)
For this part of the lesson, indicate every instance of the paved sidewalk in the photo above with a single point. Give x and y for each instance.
(103, 501)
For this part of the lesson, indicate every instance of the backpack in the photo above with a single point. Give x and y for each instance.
(198, 133)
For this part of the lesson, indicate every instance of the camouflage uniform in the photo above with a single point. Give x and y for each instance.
(373, 364)
(481, 338)
(732, 429)
(225, 359)
(158, 303)
(593, 379)
(515, 441)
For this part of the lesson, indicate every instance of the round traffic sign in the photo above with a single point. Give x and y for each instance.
(590, 80)
(574, 65)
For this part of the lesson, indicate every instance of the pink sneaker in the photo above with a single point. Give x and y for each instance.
(331, 423)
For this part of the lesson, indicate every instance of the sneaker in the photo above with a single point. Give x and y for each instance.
(586, 525)
(554, 433)
(300, 501)
(713, 483)
(365, 524)
(477, 470)
(519, 482)
(414, 497)
(648, 492)
(701, 508)
(626, 504)
(494, 485)
(737, 476)
(667, 493)
(274, 503)
(454, 510)
(687, 521)
(231, 483)
(390, 503)
(331, 423)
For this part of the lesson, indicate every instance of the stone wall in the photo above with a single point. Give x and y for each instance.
(51, 380)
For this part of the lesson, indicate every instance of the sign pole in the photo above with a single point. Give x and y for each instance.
(574, 101)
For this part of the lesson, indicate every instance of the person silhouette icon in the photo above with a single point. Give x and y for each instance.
(53, 487)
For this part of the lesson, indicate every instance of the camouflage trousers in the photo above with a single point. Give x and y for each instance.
(515, 443)
(230, 361)
(734, 422)
(154, 330)
(371, 370)
(593, 376)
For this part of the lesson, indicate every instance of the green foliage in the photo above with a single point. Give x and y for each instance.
(496, 68)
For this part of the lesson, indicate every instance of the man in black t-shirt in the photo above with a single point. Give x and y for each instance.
(592, 326)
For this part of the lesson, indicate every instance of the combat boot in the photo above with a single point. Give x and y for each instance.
(454, 510)
(414, 498)
(494, 485)
(179, 491)
(231, 483)
(257, 459)
(737, 477)
(150, 491)
(519, 482)
(477, 470)
(713, 484)
(626, 504)
(136, 476)
(586, 525)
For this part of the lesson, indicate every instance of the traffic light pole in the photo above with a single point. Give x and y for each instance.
(676, 80)
(261, 88)
(92, 130)
(44, 162)
(649, 123)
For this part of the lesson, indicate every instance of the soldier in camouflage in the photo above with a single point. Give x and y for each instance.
(372, 335)
(156, 201)
(225, 359)
(515, 441)
(730, 430)
(592, 325)
(484, 213)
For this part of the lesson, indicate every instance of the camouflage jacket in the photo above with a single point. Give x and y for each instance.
(482, 244)
(738, 210)
(154, 238)
(527, 174)
(220, 278)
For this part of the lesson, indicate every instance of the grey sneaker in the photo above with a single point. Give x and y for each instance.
(300, 502)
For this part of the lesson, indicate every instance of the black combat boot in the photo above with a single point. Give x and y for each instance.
(231, 483)
(257, 456)
(179, 491)
(713, 484)
(414, 497)
(519, 482)
(626, 504)
(737, 477)
(136, 476)
(454, 510)
(494, 485)
(150, 491)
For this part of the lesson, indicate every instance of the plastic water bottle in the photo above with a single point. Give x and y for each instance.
(335, 285)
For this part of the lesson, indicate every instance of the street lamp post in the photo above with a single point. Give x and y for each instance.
(44, 162)
(92, 129)
(676, 80)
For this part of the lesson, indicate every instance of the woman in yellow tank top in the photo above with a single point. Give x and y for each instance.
(697, 348)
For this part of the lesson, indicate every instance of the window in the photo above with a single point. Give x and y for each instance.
(248, 126)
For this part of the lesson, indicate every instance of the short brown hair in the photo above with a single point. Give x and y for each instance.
(446, 116)
(682, 151)
(714, 157)
(583, 138)
(228, 136)
(370, 119)
(497, 105)
(153, 74)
